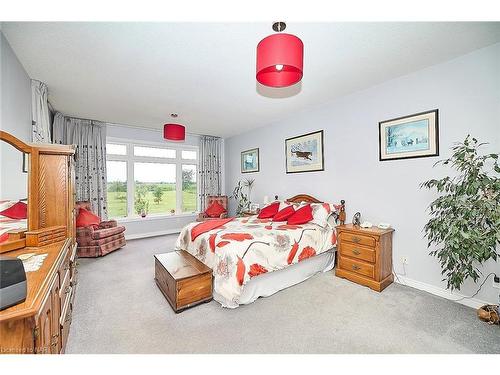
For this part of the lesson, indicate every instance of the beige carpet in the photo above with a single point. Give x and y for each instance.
(119, 309)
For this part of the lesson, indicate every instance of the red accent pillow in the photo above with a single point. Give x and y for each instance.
(301, 216)
(284, 214)
(269, 211)
(215, 209)
(86, 218)
(16, 211)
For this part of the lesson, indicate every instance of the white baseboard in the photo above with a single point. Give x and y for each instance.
(151, 234)
(471, 302)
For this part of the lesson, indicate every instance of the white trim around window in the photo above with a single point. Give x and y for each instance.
(130, 159)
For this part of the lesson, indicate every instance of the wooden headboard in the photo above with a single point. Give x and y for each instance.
(299, 198)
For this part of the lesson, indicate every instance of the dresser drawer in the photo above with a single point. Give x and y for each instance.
(356, 238)
(65, 288)
(359, 252)
(358, 267)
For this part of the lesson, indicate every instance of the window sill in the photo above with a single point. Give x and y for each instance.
(152, 217)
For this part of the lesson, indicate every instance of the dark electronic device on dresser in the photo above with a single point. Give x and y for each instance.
(12, 282)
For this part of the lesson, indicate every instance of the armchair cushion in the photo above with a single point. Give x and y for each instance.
(86, 218)
(215, 210)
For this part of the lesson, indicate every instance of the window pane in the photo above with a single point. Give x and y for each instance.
(189, 188)
(154, 188)
(189, 155)
(115, 149)
(117, 188)
(155, 152)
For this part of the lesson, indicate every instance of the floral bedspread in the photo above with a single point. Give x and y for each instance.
(247, 247)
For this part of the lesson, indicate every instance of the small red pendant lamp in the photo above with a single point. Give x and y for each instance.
(174, 132)
(280, 59)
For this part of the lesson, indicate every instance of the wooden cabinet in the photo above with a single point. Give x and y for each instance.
(40, 324)
(365, 255)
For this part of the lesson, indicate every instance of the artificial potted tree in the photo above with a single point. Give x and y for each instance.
(464, 228)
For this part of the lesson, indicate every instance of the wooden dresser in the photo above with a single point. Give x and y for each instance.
(365, 255)
(41, 323)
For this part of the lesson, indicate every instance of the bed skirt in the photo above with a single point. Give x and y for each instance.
(267, 284)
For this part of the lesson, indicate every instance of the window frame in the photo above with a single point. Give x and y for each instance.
(130, 159)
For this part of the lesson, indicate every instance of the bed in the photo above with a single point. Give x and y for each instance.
(253, 257)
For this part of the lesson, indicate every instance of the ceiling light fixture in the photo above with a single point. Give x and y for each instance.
(174, 132)
(280, 58)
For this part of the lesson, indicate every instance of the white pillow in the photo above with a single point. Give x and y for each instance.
(321, 212)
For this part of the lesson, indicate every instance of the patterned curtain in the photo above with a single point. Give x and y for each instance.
(40, 112)
(210, 168)
(89, 136)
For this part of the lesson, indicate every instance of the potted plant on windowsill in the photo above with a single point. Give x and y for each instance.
(465, 219)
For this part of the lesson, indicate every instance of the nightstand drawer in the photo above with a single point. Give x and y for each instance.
(361, 268)
(355, 251)
(357, 239)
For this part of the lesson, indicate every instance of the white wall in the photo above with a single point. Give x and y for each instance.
(150, 226)
(466, 91)
(15, 119)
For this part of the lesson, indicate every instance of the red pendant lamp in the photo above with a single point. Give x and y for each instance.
(174, 132)
(280, 58)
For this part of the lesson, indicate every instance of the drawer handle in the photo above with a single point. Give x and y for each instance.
(55, 336)
(74, 283)
(67, 290)
(355, 267)
(356, 239)
(68, 317)
(356, 252)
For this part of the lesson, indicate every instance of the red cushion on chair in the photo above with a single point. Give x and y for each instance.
(269, 211)
(215, 209)
(301, 216)
(86, 218)
(284, 214)
(16, 211)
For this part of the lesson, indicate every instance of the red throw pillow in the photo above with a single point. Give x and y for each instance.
(215, 209)
(301, 216)
(284, 214)
(269, 211)
(86, 218)
(16, 211)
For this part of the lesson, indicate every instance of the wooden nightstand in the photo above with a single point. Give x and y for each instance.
(365, 255)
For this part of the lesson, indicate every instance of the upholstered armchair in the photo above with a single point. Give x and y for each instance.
(222, 200)
(96, 241)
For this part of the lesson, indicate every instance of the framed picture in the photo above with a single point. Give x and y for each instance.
(414, 136)
(25, 162)
(250, 161)
(305, 153)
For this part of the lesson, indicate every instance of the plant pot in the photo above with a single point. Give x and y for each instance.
(489, 313)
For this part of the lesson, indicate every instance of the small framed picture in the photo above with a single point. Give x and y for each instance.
(250, 161)
(25, 162)
(414, 136)
(304, 153)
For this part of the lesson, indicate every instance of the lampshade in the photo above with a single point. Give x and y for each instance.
(280, 59)
(174, 132)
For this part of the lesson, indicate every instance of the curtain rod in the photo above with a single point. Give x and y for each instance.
(133, 126)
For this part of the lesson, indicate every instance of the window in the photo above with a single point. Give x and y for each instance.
(117, 188)
(149, 180)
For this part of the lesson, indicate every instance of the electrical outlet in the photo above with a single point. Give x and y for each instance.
(404, 260)
(496, 282)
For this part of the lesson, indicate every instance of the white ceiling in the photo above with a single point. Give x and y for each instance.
(138, 73)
